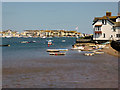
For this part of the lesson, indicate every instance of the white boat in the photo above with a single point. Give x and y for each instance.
(63, 49)
(89, 54)
(24, 42)
(78, 48)
(8, 36)
(44, 37)
(49, 42)
(98, 52)
(56, 50)
(101, 46)
(52, 50)
(63, 40)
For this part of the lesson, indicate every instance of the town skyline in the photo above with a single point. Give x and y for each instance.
(66, 16)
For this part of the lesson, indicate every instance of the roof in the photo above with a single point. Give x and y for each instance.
(104, 17)
(117, 24)
(70, 31)
(109, 18)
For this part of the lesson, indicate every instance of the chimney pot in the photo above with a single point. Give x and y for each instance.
(108, 14)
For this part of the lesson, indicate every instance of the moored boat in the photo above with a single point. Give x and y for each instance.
(63, 40)
(32, 42)
(5, 45)
(52, 50)
(99, 52)
(89, 54)
(57, 53)
(63, 49)
(78, 48)
(56, 50)
(24, 42)
(28, 42)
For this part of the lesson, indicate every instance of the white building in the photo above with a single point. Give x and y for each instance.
(106, 27)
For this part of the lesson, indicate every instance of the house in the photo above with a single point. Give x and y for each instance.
(106, 27)
(10, 33)
(31, 33)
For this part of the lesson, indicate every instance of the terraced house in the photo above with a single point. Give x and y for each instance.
(106, 27)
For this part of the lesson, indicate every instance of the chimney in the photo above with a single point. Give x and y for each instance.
(118, 14)
(108, 14)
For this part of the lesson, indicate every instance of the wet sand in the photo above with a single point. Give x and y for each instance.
(62, 72)
(111, 51)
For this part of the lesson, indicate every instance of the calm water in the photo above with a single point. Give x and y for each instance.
(27, 51)
(36, 50)
(30, 66)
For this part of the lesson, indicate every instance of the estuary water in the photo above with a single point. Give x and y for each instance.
(26, 51)
(28, 65)
(20, 51)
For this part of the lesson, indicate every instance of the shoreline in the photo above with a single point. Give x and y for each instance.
(109, 50)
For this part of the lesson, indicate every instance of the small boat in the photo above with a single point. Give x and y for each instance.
(101, 46)
(44, 37)
(99, 52)
(49, 42)
(24, 42)
(5, 45)
(89, 54)
(94, 50)
(52, 50)
(57, 53)
(32, 42)
(28, 42)
(56, 50)
(63, 49)
(78, 48)
(63, 40)
(8, 36)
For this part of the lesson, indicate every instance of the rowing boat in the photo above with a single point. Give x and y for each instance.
(57, 53)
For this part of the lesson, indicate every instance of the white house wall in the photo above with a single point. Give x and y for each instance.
(107, 29)
(117, 32)
(118, 19)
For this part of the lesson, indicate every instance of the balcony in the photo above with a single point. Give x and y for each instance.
(98, 31)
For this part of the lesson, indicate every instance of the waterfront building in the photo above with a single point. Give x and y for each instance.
(10, 33)
(31, 33)
(40, 33)
(106, 27)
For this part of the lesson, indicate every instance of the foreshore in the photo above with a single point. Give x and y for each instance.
(107, 49)
(111, 51)
(62, 72)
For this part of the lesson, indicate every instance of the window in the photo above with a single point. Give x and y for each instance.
(111, 36)
(118, 35)
(103, 35)
(104, 22)
(114, 29)
(98, 28)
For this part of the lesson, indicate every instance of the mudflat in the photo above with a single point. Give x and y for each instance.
(60, 72)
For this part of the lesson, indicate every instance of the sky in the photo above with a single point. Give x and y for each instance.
(21, 16)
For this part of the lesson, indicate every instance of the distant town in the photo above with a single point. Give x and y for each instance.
(42, 33)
